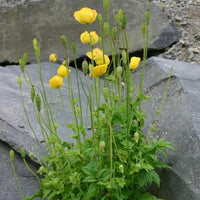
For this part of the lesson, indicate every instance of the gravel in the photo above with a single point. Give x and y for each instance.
(186, 16)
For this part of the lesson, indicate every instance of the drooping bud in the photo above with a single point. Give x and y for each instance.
(143, 28)
(31, 155)
(32, 93)
(106, 28)
(35, 44)
(119, 71)
(38, 102)
(136, 137)
(11, 153)
(22, 151)
(121, 168)
(102, 145)
(74, 48)
(105, 93)
(124, 59)
(63, 40)
(19, 79)
(41, 170)
(147, 17)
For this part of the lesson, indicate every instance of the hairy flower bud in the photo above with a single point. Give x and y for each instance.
(74, 48)
(106, 28)
(106, 6)
(136, 137)
(11, 153)
(41, 170)
(35, 43)
(19, 79)
(38, 102)
(124, 58)
(105, 93)
(22, 151)
(99, 18)
(85, 67)
(32, 93)
(102, 145)
(123, 22)
(114, 33)
(143, 28)
(147, 17)
(63, 40)
(31, 155)
(119, 71)
(121, 168)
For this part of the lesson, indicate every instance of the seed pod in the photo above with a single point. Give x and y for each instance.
(22, 151)
(11, 153)
(38, 102)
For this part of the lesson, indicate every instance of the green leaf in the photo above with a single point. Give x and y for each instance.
(92, 191)
(89, 179)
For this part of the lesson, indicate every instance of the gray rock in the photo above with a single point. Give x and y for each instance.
(8, 185)
(178, 123)
(46, 20)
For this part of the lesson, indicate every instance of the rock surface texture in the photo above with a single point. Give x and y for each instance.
(178, 123)
(21, 21)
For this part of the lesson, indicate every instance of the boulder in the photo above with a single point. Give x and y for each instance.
(46, 20)
(178, 123)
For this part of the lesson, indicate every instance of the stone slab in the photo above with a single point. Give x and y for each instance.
(46, 20)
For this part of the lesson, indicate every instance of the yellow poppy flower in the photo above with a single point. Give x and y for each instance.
(85, 15)
(96, 52)
(99, 70)
(52, 57)
(100, 61)
(55, 82)
(85, 37)
(135, 61)
(63, 71)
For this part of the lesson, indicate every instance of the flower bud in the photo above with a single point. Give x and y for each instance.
(106, 6)
(22, 151)
(91, 69)
(143, 28)
(119, 71)
(25, 58)
(55, 125)
(85, 67)
(21, 64)
(136, 137)
(41, 170)
(114, 33)
(147, 17)
(52, 57)
(124, 57)
(121, 168)
(105, 93)
(102, 145)
(32, 93)
(11, 153)
(78, 110)
(63, 40)
(74, 48)
(35, 43)
(116, 18)
(38, 102)
(106, 28)
(65, 63)
(123, 21)
(19, 79)
(99, 18)
(120, 14)
(31, 155)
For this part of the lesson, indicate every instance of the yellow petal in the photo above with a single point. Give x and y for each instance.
(135, 61)
(101, 61)
(85, 37)
(99, 70)
(52, 57)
